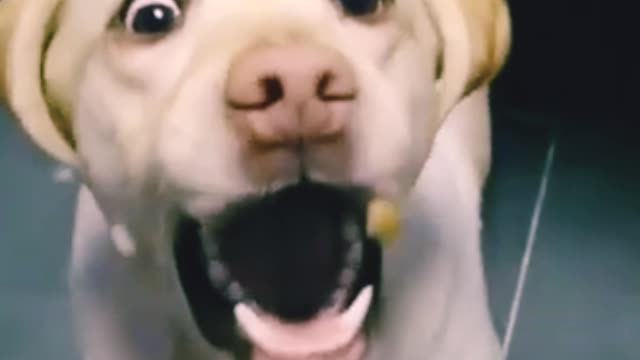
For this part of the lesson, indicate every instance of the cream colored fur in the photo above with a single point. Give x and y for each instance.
(144, 126)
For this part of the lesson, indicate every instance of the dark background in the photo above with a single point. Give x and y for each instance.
(575, 59)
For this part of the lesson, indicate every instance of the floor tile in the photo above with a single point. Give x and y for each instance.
(582, 296)
(519, 150)
(35, 226)
(35, 326)
(35, 216)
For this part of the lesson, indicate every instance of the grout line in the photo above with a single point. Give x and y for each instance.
(531, 239)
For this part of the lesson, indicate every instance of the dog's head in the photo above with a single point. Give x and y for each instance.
(182, 109)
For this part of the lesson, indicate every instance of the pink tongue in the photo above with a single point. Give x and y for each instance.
(321, 338)
(355, 350)
(331, 335)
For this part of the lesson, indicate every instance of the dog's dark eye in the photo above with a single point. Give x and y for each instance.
(361, 7)
(151, 16)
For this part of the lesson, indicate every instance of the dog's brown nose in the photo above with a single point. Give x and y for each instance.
(285, 95)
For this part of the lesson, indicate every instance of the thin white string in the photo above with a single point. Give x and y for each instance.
(531, 239)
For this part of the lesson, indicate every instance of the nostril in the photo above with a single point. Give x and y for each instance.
(330, 89)
(272, 91)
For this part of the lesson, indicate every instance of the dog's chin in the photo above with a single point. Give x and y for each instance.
(269, 264)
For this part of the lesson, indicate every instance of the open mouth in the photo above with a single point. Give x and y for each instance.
(281, 270)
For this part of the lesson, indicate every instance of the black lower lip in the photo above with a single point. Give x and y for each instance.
(283, 247)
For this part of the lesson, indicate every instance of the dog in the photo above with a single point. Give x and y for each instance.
(197, 126)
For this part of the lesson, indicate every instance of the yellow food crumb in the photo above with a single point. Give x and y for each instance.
(383, 221)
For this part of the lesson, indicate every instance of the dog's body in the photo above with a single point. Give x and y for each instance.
(127, 295)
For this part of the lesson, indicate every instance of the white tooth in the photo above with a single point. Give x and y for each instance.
(326, 333)
(208, 243)
(255, 328)
(354, 255)
(123, 241)
(354, 316)
(235, 292)
(347, 277)
(338, 298)
(350, 231)
(218, 272)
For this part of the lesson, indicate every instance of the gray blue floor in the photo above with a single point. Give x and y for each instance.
(35, 223)
(564, 284)
(562, 245)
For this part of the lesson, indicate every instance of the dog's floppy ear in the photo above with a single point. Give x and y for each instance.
(26, 28)
(476, 36)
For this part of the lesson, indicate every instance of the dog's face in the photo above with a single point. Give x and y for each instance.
(159, 89)
(219, 99)
(179, 108)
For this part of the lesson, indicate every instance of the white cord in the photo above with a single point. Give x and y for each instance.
(531, 239)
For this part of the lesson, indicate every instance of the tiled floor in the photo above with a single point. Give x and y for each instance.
(35, 222)
(582, 295)
(562, 240)
(578, 298)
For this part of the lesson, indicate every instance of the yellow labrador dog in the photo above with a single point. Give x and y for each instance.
(229, 153)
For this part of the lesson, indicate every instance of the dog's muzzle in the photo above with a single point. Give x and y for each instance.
(290, 106)
(290, 275)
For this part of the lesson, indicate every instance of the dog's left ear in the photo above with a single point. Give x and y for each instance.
(475, 39)
(26, 29)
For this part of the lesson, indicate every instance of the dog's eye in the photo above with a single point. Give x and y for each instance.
(361, 7)
(151, 16)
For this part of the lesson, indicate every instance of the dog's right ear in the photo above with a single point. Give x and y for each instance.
(26, 28)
